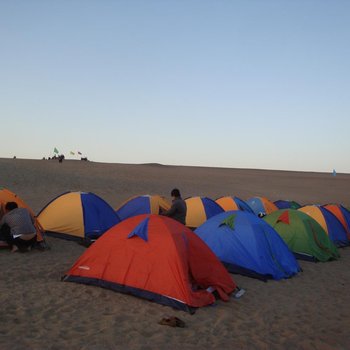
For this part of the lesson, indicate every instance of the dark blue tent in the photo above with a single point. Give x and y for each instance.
(248, 245)
(283, 204)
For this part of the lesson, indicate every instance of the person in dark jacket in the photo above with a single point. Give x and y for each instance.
(178, 208)
(17, 227)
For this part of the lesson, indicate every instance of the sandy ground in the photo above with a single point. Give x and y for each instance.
(38, 311)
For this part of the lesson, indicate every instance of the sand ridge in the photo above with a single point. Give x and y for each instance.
(40, 181)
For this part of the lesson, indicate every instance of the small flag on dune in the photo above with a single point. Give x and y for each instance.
(79, 153)
(72, 153)
(55, 150)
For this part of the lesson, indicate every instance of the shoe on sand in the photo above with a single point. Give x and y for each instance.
(172, 322)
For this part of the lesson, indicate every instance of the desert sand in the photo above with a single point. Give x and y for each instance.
(38, 311)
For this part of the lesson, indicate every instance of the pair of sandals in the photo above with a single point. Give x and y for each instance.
(172, 322)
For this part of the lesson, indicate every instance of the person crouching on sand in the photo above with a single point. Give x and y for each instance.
(17, 228)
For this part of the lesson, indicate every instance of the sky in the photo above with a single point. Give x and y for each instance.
(240, 84)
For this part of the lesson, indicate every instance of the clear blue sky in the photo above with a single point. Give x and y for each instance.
(246, 84)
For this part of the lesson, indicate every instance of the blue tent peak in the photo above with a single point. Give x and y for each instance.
(141, 230)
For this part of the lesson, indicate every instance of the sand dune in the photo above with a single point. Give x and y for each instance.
(38, 311)
(39, 181)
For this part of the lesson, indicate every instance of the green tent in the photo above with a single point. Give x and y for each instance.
(303, 235)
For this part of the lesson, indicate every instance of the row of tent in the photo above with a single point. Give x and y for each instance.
(78, 215)
(155, 257)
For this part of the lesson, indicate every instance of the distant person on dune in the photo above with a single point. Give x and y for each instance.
(17, 228)
(178, 208)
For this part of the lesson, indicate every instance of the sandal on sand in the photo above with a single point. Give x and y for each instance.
(172, 322)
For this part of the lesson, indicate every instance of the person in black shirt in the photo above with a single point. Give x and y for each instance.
(178, 208)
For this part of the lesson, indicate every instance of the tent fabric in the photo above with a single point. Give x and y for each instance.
(248, 245)
(229, 203)
(200, 209)
(284, 204)
(173, 267)
(304, 236)
(346, 214)
(77, 216)
(340, 212)
(329, 223)
(261, 205)
(8, 196)
(146, 204)
(141, 230)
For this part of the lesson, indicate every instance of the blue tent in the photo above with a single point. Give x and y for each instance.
(329, 222)
(77, 216)
(336, 230)
(243, 205)
(248, 245)
(146, 204)
(346, 214)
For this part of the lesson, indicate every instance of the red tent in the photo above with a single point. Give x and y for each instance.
(156, 258)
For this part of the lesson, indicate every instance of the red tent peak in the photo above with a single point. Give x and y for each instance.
(284, 217)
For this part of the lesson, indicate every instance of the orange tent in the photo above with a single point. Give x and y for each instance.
(229, 203)
(156, 258)
(261, 205)
(200, 209)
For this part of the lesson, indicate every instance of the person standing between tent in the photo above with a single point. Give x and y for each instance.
(17, 227)
(178, 208)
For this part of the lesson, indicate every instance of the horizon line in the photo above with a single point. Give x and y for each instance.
(192, 166)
